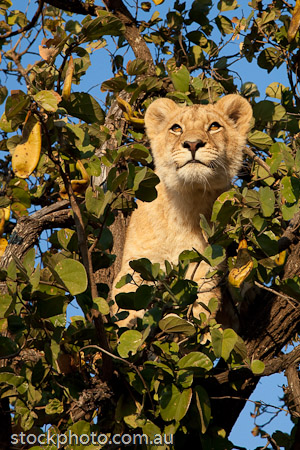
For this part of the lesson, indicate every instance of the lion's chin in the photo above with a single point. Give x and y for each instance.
(200, 176)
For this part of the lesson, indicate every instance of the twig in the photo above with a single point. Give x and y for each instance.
(28, 26)
(286, 297)
(258, 160)
(270, 441)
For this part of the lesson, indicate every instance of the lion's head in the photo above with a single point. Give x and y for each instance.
(200, 144)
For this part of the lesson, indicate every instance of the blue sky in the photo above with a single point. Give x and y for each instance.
(269, 389)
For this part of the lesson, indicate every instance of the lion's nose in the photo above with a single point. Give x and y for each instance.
(193, 146)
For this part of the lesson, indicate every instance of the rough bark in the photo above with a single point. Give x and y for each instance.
(28, 229)
(271, 323)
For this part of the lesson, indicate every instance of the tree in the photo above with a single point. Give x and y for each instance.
(72, 170)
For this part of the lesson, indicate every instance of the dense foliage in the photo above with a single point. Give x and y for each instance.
(72, 167)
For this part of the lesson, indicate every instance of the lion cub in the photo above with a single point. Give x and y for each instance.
(197, 150)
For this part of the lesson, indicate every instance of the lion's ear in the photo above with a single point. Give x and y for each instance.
(158, 114)
(238, 109)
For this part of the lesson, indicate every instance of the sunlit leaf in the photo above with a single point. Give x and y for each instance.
(129, 343)
(173, 403)
(73, 275)
(203, 407)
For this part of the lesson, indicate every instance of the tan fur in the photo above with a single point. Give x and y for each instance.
(162, 229)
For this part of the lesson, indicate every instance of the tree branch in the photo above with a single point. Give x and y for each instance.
(75, 6)
(293, 390)
(28, 229)
(26, 27)
(275, 365)
(256, 158)
(132, 34)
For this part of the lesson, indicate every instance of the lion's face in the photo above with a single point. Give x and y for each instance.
(198, 145)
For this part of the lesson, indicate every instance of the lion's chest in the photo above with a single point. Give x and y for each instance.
(159, 232)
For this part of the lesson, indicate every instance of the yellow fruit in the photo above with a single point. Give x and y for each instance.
(242, 245)
(3, 245)
(295, 22)
(66, 92)
(130, 115)
(2, 222)
(27, 154)
(125, 107)
(81, 168)
(280, 258)
(238, 275)
(6, 212)
(78, 186)
(243, 265)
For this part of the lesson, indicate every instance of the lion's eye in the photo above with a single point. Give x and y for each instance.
(176, 128)
(214, 126)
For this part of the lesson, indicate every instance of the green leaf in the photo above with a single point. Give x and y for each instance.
(223, 342)
(6, 125)
(15, 104)
(291, 287)
(180, 79)
(249, 89)
(73, 275)
(290, 189)
(173, 403)
(203, 407)
(227, 5)
(264, 110)
(129, 343)
(48, 100)
(95, 201)
(64, 237)
(288, 211)
(6, 304)
(3, 93)
(140, 175)
(185, 291)
(54, 406)
(151, 430)
(84, 107)
(268, 242)
(144, 267)
(224, 25)
(276, 159)
(136, 300)
(137, 67)
(7, 347)
(267, 201)
(223, 207)
(190, 256)
(172, 323)
(115, 84)
(4, 5)
(101, 305)
(260, 139)
(257, 367)
(106, 24)
(275, 90)
(195, 360)
(214, 254)
(269, 58)
(18, 382)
